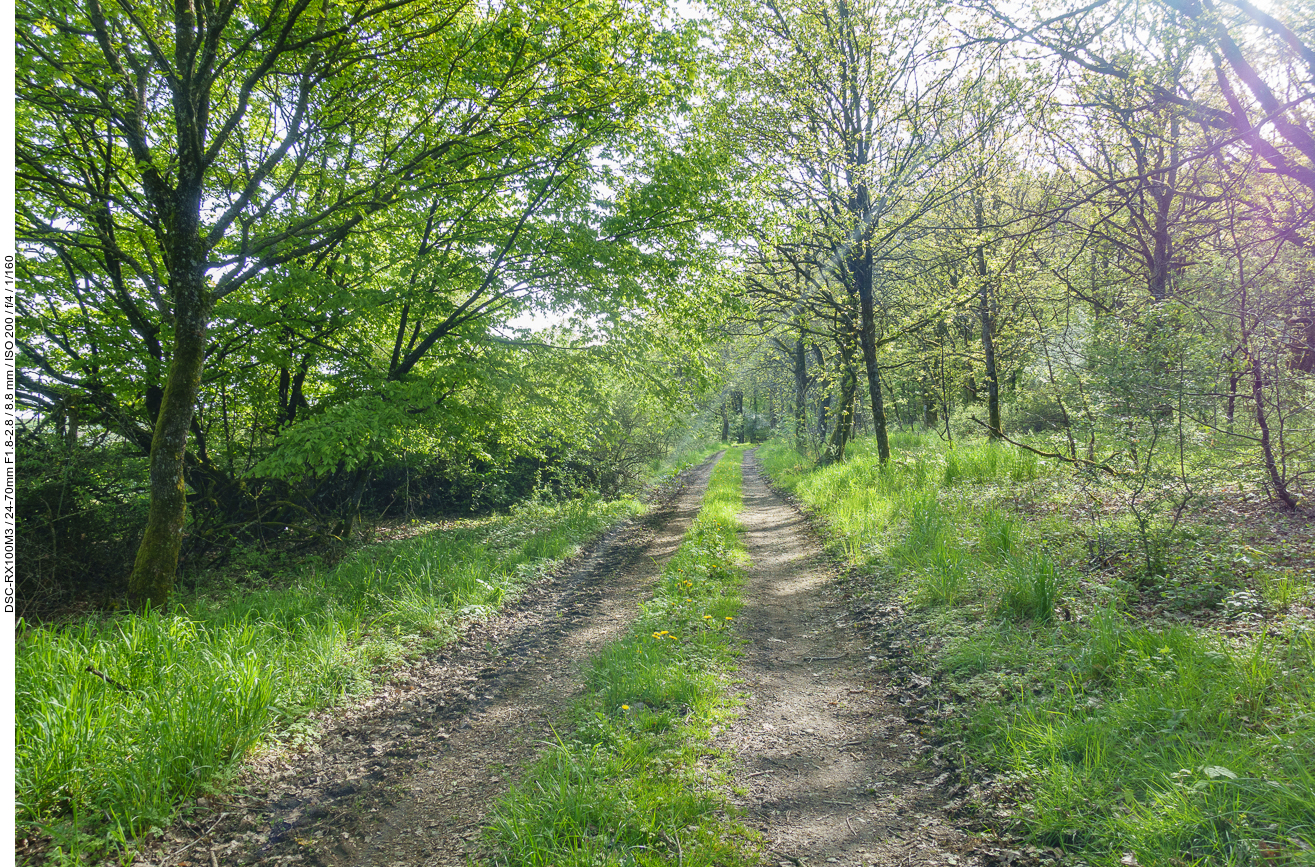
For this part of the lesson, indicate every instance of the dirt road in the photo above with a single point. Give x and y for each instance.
(407, 776)
(828, 765)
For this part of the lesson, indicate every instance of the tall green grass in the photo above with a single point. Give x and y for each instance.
(1166, 742)
(627, 786)
(179, 696)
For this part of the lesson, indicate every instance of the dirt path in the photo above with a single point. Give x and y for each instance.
(406, 777)
(829, 765)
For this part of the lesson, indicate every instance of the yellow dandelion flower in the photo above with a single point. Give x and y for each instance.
(730, 618)
(625, 707)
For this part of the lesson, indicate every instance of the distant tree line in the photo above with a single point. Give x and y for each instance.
(1098, 224)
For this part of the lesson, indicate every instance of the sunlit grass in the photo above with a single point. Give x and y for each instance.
(1169, 743)
(179, 696)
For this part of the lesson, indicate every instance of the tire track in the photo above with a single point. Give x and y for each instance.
(407, 776)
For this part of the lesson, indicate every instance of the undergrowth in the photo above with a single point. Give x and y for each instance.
(633, 783)
(121, 717)
(1121, 739)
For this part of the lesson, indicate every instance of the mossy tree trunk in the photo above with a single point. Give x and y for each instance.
(839, 439)
(153, 571)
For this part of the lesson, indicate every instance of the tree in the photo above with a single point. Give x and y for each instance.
(1211, 168)
(172, 161)
(846, 111)
(1263, 67)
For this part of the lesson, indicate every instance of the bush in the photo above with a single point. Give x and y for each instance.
(80, 513)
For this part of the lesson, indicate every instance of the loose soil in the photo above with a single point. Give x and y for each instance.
(823, 763)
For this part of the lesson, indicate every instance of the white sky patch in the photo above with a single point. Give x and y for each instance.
(537, 320)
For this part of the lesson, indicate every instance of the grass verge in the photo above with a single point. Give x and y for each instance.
(1121, 730)
(634, 783)
(121, 717)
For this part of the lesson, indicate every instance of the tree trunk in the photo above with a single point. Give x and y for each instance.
(1266, 445)
(152, 576)
(861, 267)
(800, 395)
(823, 400)
(1258, 396)
(987, 314)
(835, 447)
(1163, 190)
(1234, 377)
(71, 430)
(839, 440)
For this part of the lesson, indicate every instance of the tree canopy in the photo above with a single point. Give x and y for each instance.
(277, 250)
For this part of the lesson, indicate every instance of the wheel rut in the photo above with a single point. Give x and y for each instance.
(828, 766)
(407, 777)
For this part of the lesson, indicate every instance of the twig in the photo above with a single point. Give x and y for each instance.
(214, 860)
(1065, 458)
(680, 855)
(847, 825)
(759, 774)
(791, 858)
(111, 681)
(198, 839)
(817, 658)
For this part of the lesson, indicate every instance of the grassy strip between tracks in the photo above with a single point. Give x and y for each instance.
(1117, 734)
(119, 718)
(635, 782)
